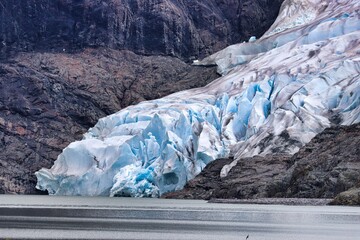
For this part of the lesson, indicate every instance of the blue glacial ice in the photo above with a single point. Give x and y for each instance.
(275, 95)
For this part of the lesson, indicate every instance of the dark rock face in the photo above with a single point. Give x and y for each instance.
(348, 198)
(49, 100)
(181, 28)
(248, 179)
(323, 168)
(328, 165)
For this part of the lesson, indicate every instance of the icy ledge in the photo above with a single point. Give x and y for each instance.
(293, 84)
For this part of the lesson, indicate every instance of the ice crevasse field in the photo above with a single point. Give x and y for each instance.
(275, 94)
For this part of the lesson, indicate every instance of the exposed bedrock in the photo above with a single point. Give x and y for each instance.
(181, 28)
(323, 168)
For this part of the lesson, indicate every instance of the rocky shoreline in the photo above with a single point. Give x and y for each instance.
(276, 201)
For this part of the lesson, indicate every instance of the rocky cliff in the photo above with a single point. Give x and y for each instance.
(67, 63)
(180, 28)
(323, 168)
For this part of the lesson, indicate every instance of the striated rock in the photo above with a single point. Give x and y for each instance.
(178, 28)
(323, 168)
(349, 198)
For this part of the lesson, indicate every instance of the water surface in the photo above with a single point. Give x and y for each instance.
(44, 217)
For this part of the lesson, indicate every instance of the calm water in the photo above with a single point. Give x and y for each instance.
(126, 218)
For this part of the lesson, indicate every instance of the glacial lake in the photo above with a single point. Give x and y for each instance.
(52, 217)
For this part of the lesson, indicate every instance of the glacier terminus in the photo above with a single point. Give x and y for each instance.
(275, 94)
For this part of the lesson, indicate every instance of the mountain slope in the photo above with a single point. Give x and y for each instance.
(276, 94)
(180, 28)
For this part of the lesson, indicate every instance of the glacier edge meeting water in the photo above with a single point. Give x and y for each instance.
(276, 94)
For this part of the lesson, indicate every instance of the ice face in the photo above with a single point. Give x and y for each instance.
(276, 94)
(118, 157)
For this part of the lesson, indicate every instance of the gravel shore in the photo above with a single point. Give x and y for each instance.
(276, 201)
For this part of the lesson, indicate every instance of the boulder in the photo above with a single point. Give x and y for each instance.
(349, 198)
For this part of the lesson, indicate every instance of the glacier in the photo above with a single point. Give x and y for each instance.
(275, 94)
